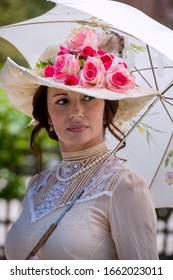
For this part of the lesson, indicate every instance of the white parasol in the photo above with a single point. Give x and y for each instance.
(149, 149)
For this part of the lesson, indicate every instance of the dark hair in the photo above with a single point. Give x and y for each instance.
(40, 114)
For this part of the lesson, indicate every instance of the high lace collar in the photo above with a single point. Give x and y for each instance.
(47, 193)
(85, 154)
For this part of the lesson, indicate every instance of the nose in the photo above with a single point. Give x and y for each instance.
(76, 111)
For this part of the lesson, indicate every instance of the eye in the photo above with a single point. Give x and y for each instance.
(62, 101)
(88, 98)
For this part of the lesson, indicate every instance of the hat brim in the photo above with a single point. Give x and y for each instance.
(20, 85)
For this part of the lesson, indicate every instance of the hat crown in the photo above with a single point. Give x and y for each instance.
(91, 61)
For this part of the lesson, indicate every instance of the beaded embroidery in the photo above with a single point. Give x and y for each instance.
(59, 193)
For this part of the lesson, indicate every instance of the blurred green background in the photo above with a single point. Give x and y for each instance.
(17, 163)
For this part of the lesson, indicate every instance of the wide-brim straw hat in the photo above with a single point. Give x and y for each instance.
(20, 85)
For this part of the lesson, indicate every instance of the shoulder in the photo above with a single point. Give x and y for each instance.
(40, 177)
(122, 176)
(130, 188)
(114, 175)
(131, 196)
(126, 182)
(130, 180)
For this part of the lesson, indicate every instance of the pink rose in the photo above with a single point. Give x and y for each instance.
(92, 73)
(48, 71)
(71, 80)
(101, 52)
(83, 37)
(125, 65)
(107, 60)
(119, 79)
(66, 65)
(63, 50)
(88, 51)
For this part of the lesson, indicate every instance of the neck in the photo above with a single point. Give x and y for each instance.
(81, 162)
(77, 147)
(85, 153)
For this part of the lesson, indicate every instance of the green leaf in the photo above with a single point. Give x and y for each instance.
(148, 137)
(170, 154)
(138, 48)
(166, 162)
(43, 64)
(81, 62)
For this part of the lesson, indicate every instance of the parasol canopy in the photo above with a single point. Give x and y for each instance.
(149, 136)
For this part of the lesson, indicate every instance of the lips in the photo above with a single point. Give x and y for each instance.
(77, 128)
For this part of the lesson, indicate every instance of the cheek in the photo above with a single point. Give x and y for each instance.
(96, 116)
(54, 114)
(58, 123)
(56, 119)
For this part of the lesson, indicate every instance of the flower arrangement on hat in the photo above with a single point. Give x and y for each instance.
(83, 63)
(90, 61)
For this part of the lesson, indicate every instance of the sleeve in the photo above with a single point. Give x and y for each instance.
(133, 219)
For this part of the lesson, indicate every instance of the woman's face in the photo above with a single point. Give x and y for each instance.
(77, 119)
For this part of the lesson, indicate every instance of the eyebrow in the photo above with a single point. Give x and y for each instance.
(60, 93)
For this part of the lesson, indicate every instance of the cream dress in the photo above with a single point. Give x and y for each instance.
(113, 219)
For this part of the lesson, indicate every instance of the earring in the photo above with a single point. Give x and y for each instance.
(104, 121)
(51, 128)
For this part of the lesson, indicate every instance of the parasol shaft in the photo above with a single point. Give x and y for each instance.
(42, 241)
(54, 225)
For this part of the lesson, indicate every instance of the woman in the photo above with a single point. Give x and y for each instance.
(78, 90)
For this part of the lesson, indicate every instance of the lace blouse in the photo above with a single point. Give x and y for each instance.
(114, 218)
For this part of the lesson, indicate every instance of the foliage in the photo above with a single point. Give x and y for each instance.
(169, 159)
(13, 11)
(16, 161)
